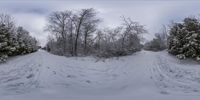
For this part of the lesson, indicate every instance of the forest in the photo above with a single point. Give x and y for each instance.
(77, 33)
(99, 50)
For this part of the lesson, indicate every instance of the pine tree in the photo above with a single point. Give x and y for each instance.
(27, 44)
(14, 41)
(4, 48)
(184, 39)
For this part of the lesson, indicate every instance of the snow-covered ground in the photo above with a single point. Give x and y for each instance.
(142, 76)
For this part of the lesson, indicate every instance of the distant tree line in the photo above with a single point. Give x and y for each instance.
(76, 33)
(14, 40)
(182, 39)
(158, 43)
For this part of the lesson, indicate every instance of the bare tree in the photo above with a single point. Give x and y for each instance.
(81, 31)
(89, 28)
(85, 18)
(130, 36)
(72, 28)
(60, 24)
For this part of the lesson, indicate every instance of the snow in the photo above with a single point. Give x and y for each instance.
(144, 75)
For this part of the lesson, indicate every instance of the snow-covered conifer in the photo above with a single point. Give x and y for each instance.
(184, 39)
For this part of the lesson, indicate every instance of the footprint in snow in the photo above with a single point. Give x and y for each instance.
(11, 79)
(88, 81)
(30, 76)
(71, 76)
(115, 75)
(54, 72)
(196, 90)
(164, 92)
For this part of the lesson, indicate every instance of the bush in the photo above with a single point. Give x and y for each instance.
(184, 39)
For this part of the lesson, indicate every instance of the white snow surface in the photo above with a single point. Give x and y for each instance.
(144, 75)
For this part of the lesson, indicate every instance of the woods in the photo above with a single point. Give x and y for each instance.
(14, 40)
(77, 33)
(99, 50)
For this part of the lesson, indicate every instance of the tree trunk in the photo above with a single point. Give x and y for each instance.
(77, 34)
(85, 44)
(71, 41)
(76, 40)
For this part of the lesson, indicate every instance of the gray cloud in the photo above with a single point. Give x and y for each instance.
(151, 13)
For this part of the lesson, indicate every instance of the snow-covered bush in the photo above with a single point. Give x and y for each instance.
(12, 41)
(180, 56)
(27, 44)
(198, 58)
(184, 39)
(4, 47)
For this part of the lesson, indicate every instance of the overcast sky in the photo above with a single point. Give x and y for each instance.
(152, 13)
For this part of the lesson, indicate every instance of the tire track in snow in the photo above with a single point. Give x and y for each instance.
(19, 78)
(173, 78)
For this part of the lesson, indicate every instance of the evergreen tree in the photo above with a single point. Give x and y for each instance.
(4, 48)
(14, 41)
(184, 39)
(27, 44)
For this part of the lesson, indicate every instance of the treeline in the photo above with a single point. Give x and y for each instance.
(76, 33)
(159, 42)
(181, 39)
(14, 40)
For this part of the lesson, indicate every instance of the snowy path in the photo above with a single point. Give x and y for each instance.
(141, 76)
